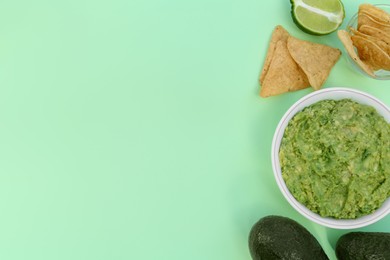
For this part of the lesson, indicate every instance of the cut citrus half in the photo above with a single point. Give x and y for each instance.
(317, 17)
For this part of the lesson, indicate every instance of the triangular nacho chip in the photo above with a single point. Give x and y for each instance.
(279, 34)
(382, 44)
(283, 74)
(316, 60)
(345, 38)
(375, 12)
(364, 19)
(371, 53)
(375, 32)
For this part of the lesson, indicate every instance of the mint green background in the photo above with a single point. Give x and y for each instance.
(134, 129)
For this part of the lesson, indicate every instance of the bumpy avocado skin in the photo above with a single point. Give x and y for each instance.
(276, 238)
(363, 245)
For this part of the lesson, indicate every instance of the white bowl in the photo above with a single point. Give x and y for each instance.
(335, 94)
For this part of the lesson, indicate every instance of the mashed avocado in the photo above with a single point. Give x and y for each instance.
(335, 158)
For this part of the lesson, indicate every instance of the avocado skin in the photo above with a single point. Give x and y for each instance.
(276, 237)
(363, 245)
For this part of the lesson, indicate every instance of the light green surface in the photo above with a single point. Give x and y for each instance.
(134, 129)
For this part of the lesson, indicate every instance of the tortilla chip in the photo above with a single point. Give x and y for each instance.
(364, 19)
(345, 38)
(374, 32)
(382, 44)
(375, 12)
(316, 60)
(371, 53)
(279, 34)
(283, 74)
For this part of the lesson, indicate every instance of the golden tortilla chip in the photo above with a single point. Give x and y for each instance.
(364, 19)
(279, 34)
(375, 12)
(374, 32)
(316, 60)
(345, 38)
(283, 73)
(371, 53)
(382, 44)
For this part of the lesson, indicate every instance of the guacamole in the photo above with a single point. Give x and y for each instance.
(335, 158)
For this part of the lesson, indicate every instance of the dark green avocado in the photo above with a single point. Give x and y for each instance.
(276, 237)
(363, 245)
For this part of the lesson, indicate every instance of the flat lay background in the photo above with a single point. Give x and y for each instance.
(134, 129)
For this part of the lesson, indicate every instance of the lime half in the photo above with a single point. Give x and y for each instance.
(317, 17)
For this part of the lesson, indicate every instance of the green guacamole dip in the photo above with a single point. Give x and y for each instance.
(335, 158)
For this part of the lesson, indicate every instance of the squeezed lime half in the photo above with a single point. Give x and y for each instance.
(318, 17)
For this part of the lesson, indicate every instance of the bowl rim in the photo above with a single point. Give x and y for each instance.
(279, 132)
